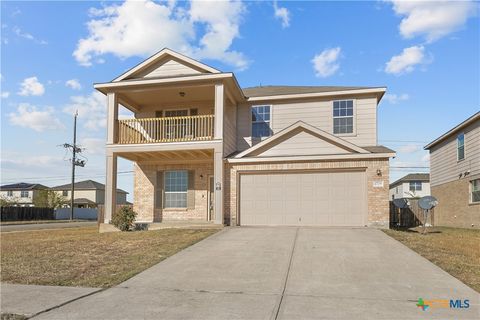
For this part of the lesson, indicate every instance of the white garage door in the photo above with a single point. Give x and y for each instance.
(313, 199)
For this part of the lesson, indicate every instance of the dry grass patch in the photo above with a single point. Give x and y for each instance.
(84, 257)
(455, 250)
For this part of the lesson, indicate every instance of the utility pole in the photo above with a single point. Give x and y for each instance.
(75, 162)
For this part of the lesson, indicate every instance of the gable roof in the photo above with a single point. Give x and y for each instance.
(457, 128)
(161, 55)
(23, 186)
(309, 128)
(425, 177)
(281, 90)
(85, 185)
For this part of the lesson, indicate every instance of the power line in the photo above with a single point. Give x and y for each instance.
(54, 178)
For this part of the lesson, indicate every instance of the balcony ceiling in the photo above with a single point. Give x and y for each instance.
(169, 156)
(153, 97)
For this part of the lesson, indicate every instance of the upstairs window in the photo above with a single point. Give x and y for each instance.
(475, 194)
(65, 193)
(9, 193)
(261, 121)
(415, 186)
(23, 194)
(343, 116)
(460, 147)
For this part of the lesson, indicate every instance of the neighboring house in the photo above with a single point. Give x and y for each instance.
(22, 194)
(205, 149)
(413, 185)
(88, 194)
(455, 174)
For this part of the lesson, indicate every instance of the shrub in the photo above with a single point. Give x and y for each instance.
(124, 218)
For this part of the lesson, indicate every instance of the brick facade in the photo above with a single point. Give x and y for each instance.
(145, 181)
(144, 192)
(454, 208)
(378, 203)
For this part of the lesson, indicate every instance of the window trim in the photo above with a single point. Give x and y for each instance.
(22, 192)
(463, 146)
(471, 191)
(354, 117)
(64, 193)
(9, 193)
(164, 111)
(269, 122)
(164, 202)
(415, 183)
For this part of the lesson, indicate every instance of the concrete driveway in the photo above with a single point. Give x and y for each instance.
(282, 273)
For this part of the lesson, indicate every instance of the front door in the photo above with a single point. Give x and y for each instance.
(210, 198)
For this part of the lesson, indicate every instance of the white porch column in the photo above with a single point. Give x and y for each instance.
(218, 178)
(219, 107)
(112, 117)
(110, 188)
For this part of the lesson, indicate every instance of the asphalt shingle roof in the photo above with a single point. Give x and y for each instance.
(261, 91)
(23, 186)
(412, 177)
(84, 185)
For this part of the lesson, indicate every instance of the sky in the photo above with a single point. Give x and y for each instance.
(425, 53)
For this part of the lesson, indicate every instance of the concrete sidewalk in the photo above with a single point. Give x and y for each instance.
(46, 226)
(282, 273)
(29, 300)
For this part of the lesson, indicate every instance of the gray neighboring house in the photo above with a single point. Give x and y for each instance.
(412, 185)
(23, 194)
(455, 174)
(89, 194)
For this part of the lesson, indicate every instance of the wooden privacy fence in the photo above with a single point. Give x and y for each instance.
(168, 129)
(26, 213)
(101, 211)
(410, 217)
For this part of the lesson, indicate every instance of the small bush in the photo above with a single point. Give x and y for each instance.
(124, 218)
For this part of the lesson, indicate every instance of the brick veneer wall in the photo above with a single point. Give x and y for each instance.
(454, 209)
(378, 202)
(144, 192)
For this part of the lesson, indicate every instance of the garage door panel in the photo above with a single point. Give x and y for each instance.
(292, 198)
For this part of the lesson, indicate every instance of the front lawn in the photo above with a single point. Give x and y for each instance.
(455, 250)
(84, 257)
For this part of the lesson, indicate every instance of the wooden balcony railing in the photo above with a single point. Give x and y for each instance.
(169, 129)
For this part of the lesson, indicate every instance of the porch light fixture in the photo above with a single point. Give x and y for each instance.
(379, 172)
(181, 94)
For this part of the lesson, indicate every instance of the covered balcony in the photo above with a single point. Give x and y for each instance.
(166, 129)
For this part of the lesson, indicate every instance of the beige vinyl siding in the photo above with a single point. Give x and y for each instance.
(444, 166)
(300, 143)
(318, 114)
(229, 130)
(168, 69)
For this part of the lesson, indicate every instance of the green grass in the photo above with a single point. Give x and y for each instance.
(455, 250)
(84, 257)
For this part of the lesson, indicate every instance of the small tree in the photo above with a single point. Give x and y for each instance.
(124, 218)
(8, 202)
(49, 199)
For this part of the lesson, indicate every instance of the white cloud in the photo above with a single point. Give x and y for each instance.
(29, 116)
(74, 84)
(325, 64)
(393, 98)
(432, 19)
(92, 110)
(409, 148)
(93, 145)
(282, 14)
(5, 94)
(31, 87)
(406, 61)
(140, 28)
(27, 36)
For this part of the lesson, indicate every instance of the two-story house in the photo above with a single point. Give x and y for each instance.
(21, 194)
(413, 185)
(455, 174)
(205, 149)
(88, 194)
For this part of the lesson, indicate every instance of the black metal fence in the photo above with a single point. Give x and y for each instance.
(26, 213)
